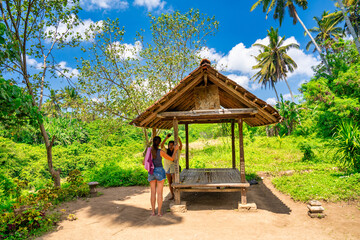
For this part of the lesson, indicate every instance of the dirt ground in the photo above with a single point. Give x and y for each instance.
(124, 213)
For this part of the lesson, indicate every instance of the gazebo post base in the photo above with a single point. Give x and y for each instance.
(177, 196)
(247, 206)
(178, 208)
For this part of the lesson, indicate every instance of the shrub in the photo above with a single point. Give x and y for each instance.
(307, 151)
(111, 174)
(29, 212)
(347, 145)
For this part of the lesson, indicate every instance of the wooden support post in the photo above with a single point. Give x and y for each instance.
(187, 145)
(153, 133)
(243, 196)
(176, 161)
(241, 147)
(233, 144)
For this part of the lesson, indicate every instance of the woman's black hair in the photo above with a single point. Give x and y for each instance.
(155, 146)
(169, 152)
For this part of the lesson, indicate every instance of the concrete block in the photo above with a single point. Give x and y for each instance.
(315, 209)
(314, 203)
(316, 215)
(248, 206)
(178, 208)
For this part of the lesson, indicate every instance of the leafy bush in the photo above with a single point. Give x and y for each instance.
(307, 151)
(347, 145)
(29, 213)
(111, 174)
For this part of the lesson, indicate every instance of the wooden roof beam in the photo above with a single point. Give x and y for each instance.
(192, 84)
(209, 112)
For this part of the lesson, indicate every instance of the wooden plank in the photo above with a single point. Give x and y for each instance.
(207, 97)
(187, 145)
(210, 190)
(190, 85)
(208, 112)
(204, 121)
(233, 144)
(233, 92)
(241, 147)
(182, 185)
(176, 160)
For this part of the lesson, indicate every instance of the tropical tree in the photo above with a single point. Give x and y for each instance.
(353, 11)
(289, 111)
(326, 30)
(279, 7)
(37, 28)
(123, 79)
(349, 24)
(273, 61)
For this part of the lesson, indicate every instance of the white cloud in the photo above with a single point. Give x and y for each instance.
(210, 53)
(33, 63)
(97, 100)
(91, 5)
(271, 101)
(302, 82)
(241, 58)
(67, 71)
(304, 61)
(83, 29)
(348, 37)
(241, 80)
(287, 96)
(150, 4)
(126, 50)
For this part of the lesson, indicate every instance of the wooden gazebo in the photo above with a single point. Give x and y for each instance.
(207, 96)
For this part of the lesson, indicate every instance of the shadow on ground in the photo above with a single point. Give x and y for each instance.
(259, 194)
(123, 206)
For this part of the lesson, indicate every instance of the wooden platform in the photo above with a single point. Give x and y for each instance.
(210, 180)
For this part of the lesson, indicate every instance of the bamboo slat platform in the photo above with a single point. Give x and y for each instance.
(210, 180)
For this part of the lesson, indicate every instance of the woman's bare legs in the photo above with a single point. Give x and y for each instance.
(159, 191)
(153, 196)
(169, 177)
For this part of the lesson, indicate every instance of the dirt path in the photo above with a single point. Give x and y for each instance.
(123, 213)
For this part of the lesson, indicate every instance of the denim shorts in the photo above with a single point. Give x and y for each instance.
(158, 174)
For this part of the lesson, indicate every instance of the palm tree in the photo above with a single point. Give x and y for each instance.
(280, 6)
(349, 25)
(326, 30)
(353, 11)
(273, 61)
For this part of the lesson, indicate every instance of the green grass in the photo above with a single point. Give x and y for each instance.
(322, 185)
(111, 166)
(318, 178)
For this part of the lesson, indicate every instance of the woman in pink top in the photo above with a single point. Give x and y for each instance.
(158, 177)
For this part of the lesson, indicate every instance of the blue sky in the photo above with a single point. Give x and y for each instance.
(231, 46)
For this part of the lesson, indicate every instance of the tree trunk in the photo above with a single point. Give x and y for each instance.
(277, 96)
(54, 173)
(350, 26)
(146, 141)
(314, 42)
(291, 94)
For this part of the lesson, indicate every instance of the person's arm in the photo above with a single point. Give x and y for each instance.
(180, 147)
(162, 146)
(166, 156)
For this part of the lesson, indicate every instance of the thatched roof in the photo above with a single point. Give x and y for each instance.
(232, 97)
